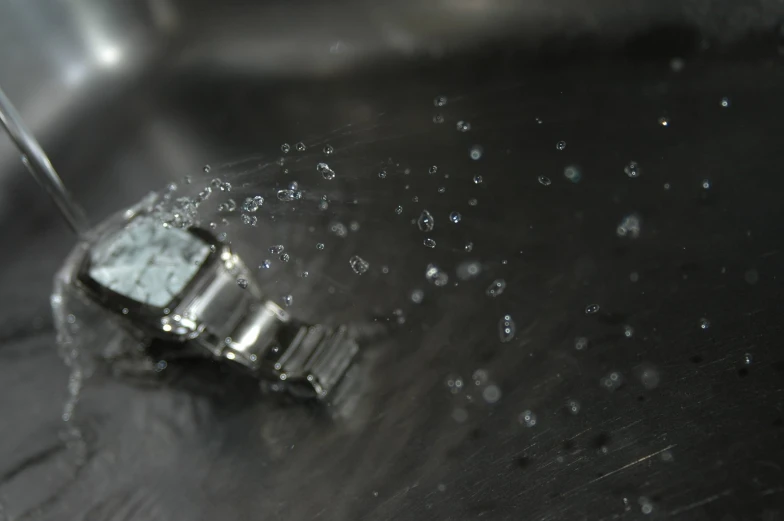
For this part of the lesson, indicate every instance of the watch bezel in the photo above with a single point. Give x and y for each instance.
(147, 316)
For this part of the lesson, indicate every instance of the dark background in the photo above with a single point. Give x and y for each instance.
(695, 429)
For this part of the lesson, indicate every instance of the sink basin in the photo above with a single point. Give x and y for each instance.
(641, 372)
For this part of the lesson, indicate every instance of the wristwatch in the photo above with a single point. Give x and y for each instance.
(189, 290)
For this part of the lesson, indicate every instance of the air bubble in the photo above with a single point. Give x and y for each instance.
(572, 173)
(664, 122)
(629, 227)
(338, 229)
(704, 323)
(426, 222)
(468, 270)
(455, 217)
(300, 146)
(491, 393)
(612, 381)
(573, 406)
(242, 283)
(249, 205)
(430, 243)
(438, 119)
(476, 152)
(320, 245)
(473, 202)
(544, 180)
(706, 184)
(433, 169)
(288, 300)
(496, 288)
(250, 220)
(265, 264)
(285, 148)
(382, 174)
(358, 264)
(442, 189)
(207, 169)
(417, 296)
(561, 145)
(277, 249)
(628, 331)
(469, 247)
(353, 226)
(284, 257)
(724, 102)
(506, 329)
(399, 209)
(478, 179)
(328, 150)
(580, 343)
(440, 101)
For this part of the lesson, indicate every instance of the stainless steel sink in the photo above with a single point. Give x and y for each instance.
(637, 409)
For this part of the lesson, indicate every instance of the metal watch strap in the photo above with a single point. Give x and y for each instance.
(305, 359)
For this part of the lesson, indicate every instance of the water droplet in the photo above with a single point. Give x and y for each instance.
(434, 275)
(628, 331)
(328, 150)
(320, 245)
(706, 184)
(289, 195)
(430, 243)
(249, 205)
(468, 270)
(476, 152)
(358, 264)
(478, 179)
(463, 126)
(417, 296)
(704, 323)
(612, 381)
(496, 288)
(288, 300)
(325, 171)
(561, 145)
(506, 329)
(572, 173)
(438, 119)
(527, 418)
(629, 227)
(250, 220)
(592, 309)
(382, 174)
(265, 264)
(632, 169)
(573, 406)
(544, 180)
(473, 202)
(207, 169)
(439, 101)
(441, 189)
(664, 122)
(300, 146)
(491, 393)
(725, 102)
(426, 222)
(455, 217)
(338, 229)
(242, 283)
(284, 257)
(285, 148)
(580, 343)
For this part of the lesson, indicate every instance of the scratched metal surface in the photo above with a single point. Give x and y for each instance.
(692, 432)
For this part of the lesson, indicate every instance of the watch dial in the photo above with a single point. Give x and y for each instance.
(147, 262)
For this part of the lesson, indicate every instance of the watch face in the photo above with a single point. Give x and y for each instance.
(147, 262)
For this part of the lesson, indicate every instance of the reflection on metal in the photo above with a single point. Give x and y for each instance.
(34, 158)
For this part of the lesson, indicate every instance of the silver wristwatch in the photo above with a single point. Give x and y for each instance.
(186, 288)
